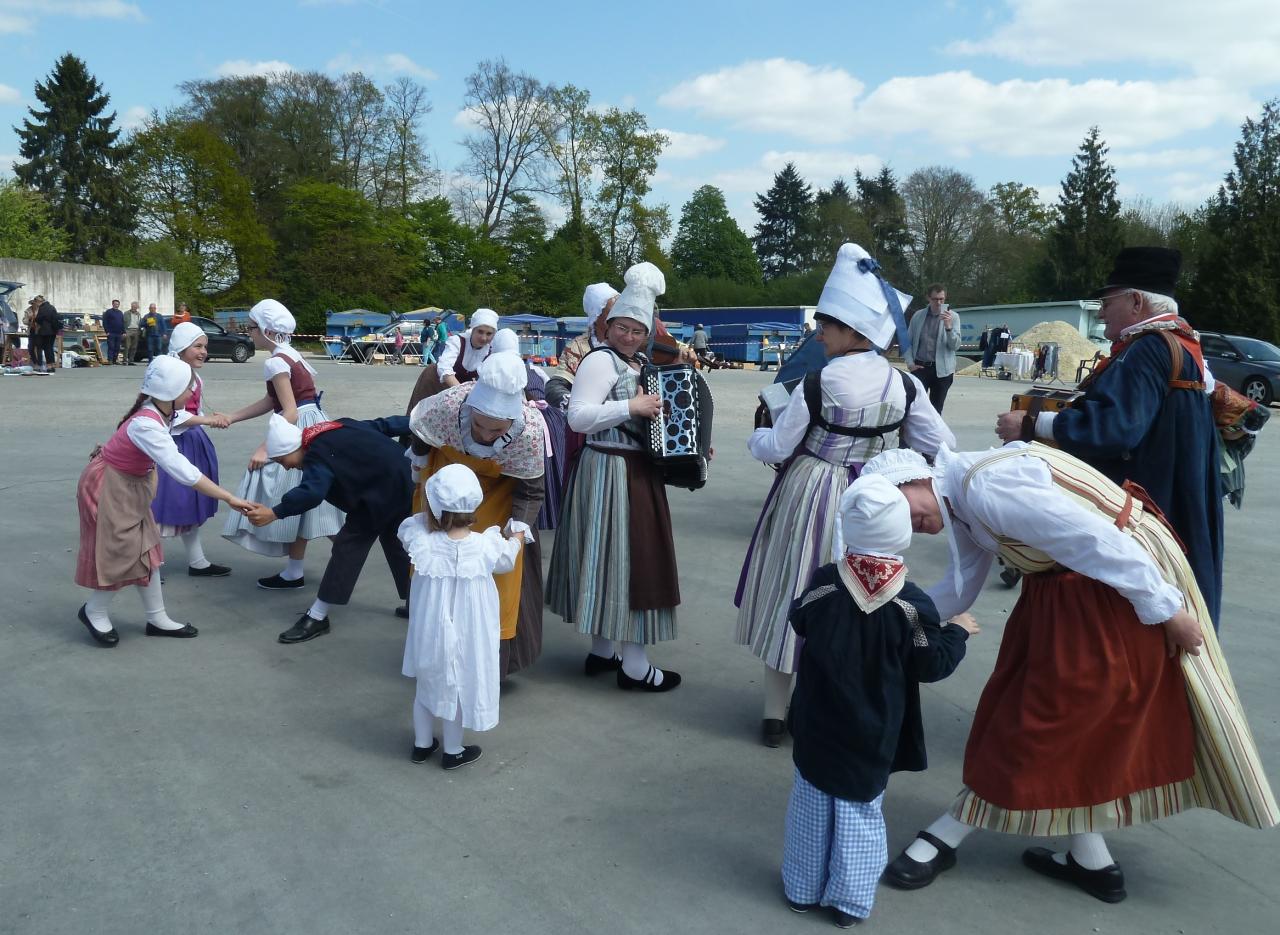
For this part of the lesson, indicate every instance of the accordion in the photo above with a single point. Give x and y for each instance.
(1040, 399)
(679, 439)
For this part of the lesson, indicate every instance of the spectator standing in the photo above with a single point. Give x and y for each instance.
(113, 325)
(154, 329)
(934, 337)
(183, 314)
(9, 328)
(132, 327)
(46, 325)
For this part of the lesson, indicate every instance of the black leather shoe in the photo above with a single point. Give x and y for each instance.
(185, 632)
(403, 611)
(1106, 884)
(307, 628)
(908, 874)
(670, 680)
(598, 664)
(213, 571)
(454, 760)
(110, 638)
(420, 754)
(846, 921)
(800, 907)
(276, 583)
(772, 731)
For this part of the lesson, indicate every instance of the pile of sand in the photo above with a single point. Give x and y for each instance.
(1073, 347)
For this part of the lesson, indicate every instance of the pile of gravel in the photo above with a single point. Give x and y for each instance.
(1073, 347)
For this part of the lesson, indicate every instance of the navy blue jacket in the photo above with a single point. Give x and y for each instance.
(113, 321)
(361, 469)
(1131, 426)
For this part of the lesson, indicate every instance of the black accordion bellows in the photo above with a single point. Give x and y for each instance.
(679, 440)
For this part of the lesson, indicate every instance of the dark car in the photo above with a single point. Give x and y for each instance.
(222, 343)
(1245, 364)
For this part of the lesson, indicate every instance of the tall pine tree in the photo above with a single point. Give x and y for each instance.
(709, 242)
(1237, 263)
(74, 158)
(885, 212)
(782, 239)
(1088, 232)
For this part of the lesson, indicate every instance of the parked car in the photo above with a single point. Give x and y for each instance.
(1245, 364)
(222, 343)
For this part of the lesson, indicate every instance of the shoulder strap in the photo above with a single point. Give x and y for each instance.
(813, 402)
(1176, 354)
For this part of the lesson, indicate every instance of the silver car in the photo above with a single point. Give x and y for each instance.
(1245, 364)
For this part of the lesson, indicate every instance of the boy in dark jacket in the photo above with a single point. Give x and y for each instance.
(870, 637)
(359, 468)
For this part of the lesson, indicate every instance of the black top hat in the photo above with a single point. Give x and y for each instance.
(1151, 269)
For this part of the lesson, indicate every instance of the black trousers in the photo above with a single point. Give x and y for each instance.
(43, 344)
(937, 387)
(346, 560)
(113, 347)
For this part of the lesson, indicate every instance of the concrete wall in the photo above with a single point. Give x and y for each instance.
(79, 288)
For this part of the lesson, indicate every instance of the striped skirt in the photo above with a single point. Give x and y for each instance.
(557, 464)
(268, 485)
(792, 540)
(1227, 772)
(589, 581)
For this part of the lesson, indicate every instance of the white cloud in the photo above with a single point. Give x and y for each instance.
(682, 145)
(242, 68)
(1169, 158)
(20, 16)
(393, 63)
(9, 95)
(775, 95)
(135, 117)
(1231, 39)
(10, 23)
(6, 163)
(963, 113)
(818, 167)
(1190, 188)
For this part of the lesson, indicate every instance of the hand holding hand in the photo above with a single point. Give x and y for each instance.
(966, 623)
(645, 406)
(1182, 631)
(260, 515)
(219, 420)
(1009, 425)
(258, 459)
(240, 506)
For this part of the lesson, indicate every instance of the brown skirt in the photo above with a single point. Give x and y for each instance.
(119, 538)
(655, 583)
(1084, 705)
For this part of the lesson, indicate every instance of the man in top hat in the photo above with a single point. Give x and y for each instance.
(1139, 421)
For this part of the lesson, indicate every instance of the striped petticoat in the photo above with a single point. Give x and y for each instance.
(268, 486)
(792, 540)
(589, 581)
(1228, 776)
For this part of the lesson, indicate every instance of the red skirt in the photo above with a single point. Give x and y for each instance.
(1084, 705)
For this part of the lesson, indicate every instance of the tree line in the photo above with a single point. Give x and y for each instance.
(321, 190)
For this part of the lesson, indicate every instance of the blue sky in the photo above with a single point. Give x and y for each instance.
(1003, 90)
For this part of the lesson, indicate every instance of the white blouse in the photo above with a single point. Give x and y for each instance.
(153, 439)
(589, 408)
(461, 344)
(1016, 498)
(853, 382)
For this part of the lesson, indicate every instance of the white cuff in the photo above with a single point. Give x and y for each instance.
(1044, 425)
(516, 527)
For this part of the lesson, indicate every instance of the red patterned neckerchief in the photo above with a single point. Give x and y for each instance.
(872, 580)
(310, 432)
(1180, 328)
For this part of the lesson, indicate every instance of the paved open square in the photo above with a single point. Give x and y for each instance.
(234, 784)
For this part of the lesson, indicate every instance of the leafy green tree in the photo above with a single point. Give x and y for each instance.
(885, 212)
(837, 220)
(192, 194)
(1014, 245)
(1087, 234)
(782, 239)
(165, 254)
(1237, 261)
(73, 157)
(27, 231)
(710, 244)
(573, 134)
(628, 158)
(1018, 209)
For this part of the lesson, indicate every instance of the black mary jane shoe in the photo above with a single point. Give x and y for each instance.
(596, 665)
(184, 632)
(110, 638)
(1106, 884)
(307, 628)
(670, 680)
(403, 611)
(772, 731)
(276, 583)
(906, 873)
(420, 754)
(212, 571)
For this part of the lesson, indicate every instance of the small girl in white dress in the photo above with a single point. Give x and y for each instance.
(454, 628)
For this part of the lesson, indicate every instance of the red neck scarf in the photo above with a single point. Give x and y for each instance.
(1178, 327)
(310, 432)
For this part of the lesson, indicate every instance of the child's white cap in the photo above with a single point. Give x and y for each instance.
(454, 488)
(875, 518)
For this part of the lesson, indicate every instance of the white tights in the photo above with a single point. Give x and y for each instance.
(777, 694)
(195, 549)
(96, 608)
(1088, 848)
(424, 729)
